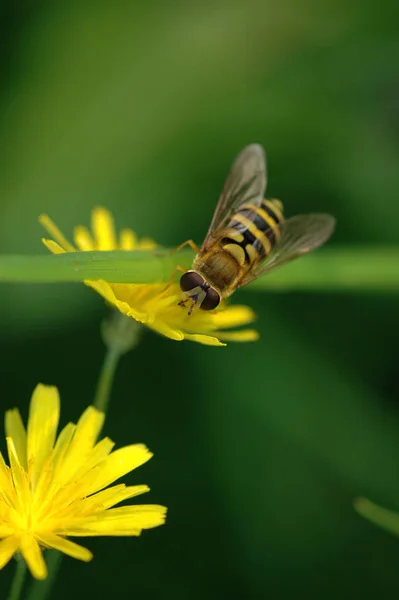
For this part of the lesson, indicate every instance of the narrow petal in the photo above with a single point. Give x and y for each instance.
(207, 340)
(119, 463)
(104, 289)
(127, 240)
(7, 490)
(8, 548)
(83, 239)
(246, 335)
(53, 230)
(19, 477)
(74, 481)
(61, 446)
(103, 229)
(53, 246)
(8, 513)
(88, 428)
(127, 520)
(233, 316)
(15, 429)
(110, 497)
(66, 546)
(43, 420)
(92, 505)
(85, 435)
(164, 329)
(33, 556)
(96, 455)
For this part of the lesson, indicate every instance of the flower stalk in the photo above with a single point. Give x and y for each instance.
(380, 516)
(368, 268)
(41, 590)
(19, 578)
(120, 334)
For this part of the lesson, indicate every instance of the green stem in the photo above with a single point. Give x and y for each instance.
(120, 334)
(103, 392)
(337, 269)
(19, 578)
(41, 590)
(341, 269)
(385, 518)
(116, 266)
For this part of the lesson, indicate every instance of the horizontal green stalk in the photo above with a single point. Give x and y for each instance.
(369, 268)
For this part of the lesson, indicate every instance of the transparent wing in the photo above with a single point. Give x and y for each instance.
(246, 182)
(299, 235)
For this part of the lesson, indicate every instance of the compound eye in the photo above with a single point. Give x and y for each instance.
(190, 280)
(211, 300)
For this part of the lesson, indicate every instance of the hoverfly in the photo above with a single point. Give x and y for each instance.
(248, 235)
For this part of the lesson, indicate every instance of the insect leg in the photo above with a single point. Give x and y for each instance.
(178, 268)
(190, 243)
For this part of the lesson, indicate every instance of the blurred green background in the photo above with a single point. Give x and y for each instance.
(259, 449)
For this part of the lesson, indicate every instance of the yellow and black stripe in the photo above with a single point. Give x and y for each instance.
(253, 231)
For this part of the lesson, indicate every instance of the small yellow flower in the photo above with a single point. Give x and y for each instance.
(151, 304)
(56, 487)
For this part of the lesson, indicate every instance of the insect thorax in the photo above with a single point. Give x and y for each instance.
(220, 270)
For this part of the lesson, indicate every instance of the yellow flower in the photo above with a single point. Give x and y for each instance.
(56, 487)
(151, 304)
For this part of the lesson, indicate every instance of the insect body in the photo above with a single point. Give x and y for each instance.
(248, 235)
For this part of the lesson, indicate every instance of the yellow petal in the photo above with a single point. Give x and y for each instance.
(85, 435)
(103, 229)
(88, 428)
(6, 531)
(105, 499)
(7, 490)
(233, 316)
(33, 556)
(15, 429)
(53, 246)
(127, 520)
(83, 239)
(104, 289)
(8, 515)
(207, 340)
(46, 494)
(53, 230)
(19, 477)
(119, 463)
(43, 420)
(246, 335)
(165, 329)
(75, 479)
(127, 240)
(96, 455)
(112, 496)
(66, 546)
(8, 548)
(61, 446)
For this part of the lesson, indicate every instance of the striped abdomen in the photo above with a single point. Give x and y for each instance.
(253, 231)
